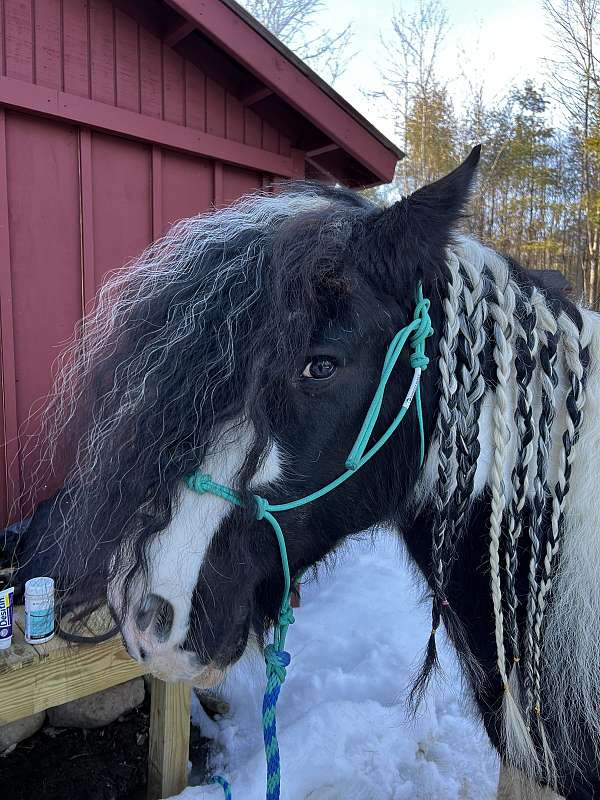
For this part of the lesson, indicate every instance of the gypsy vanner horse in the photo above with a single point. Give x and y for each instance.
(248, 344)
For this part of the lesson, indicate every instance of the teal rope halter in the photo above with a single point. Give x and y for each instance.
(276, 658)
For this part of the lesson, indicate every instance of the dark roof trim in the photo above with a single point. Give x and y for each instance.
(236, 32)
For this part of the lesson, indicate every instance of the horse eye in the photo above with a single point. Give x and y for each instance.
(320, 368)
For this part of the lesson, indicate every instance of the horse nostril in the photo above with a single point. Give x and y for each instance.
(147, 611)
(163, 621)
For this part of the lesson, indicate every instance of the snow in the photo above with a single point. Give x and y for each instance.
(342, 724)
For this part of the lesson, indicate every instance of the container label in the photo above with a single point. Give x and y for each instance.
(39, 624)
(6, 613)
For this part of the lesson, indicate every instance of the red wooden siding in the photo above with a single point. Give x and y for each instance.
(90, 49)
(77, 198)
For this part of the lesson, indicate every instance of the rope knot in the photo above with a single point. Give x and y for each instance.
(419, 360)
(262, 506)
(199, 482)
(286, 617)
(277, 661)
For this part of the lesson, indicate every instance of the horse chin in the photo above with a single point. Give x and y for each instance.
(207, 678)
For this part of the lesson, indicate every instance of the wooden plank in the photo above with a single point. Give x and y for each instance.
(218, 193)
(18, 39)
(173, 88)
(151, 74)
(157, 202)
(44, 101)
(102, 51)
(66, 673)
(127, 62)
(235, 119)
(88, 284)
(48, 55)
(169, 738)
(75, 48)
(252, 128)
(10, 432)
(195, 97)
(42, 166)
(215, 108)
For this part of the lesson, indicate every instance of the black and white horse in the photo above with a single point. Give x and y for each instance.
(248, 343)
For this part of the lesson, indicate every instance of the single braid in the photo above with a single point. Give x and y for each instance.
(502, 311)
(470, 391)
(445, 434)
(574, 403)
(548, 379)
(526, 347)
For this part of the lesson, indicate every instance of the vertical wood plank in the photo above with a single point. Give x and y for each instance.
(215, 108)
(252, 128)
(218, 192)
(235, 119)
(18, 20)
(75, 47)
(195, 97)
(285, 148)
(187, 186)
(270, 139)
(44, 185)
(150, 74)
(2, 49)
(157, 201)
(169, 738)
(87, 218)
(122, 183)
(102, 51)
(173, 90)
(48, 55)
(127, 62)
(12, 472)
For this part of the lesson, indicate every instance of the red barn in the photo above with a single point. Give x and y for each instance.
(118, 118)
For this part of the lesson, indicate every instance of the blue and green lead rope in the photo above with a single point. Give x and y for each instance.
(276, 658)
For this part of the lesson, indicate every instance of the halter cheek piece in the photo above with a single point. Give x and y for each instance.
(275, 656)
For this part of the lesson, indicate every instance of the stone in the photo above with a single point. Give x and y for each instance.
(14, 732)
(100, 708)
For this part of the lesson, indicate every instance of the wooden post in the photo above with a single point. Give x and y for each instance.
(169, 738)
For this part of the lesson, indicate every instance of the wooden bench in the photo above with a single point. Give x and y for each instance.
(35, 678)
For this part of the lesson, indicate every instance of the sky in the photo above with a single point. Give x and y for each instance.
(505, 41)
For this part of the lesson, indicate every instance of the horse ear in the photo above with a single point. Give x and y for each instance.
(415, 231)
(437, 206)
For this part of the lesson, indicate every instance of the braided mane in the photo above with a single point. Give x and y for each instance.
(531, 405)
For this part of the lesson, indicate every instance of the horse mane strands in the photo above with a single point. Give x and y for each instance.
(470, 390)
(446, 471)
(570, 650)
(526, 345)
(517, 740)
(548, 381)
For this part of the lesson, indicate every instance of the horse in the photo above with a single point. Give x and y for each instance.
(247, 345)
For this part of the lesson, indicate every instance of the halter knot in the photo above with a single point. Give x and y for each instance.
(277, 661)
(199, 482)
(286, 617)
(262, 506)
(419, 360)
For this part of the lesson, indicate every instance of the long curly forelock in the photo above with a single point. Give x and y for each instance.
(528, 336)
(140, 403)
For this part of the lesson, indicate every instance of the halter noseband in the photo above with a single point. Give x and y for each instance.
(276, 658)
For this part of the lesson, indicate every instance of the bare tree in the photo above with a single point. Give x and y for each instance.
(296, 23)
(575, 79)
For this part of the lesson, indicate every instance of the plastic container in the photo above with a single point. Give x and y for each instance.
(39, 610)
(6, 617)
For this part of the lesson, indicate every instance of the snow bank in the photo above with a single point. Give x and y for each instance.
(343, 730)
